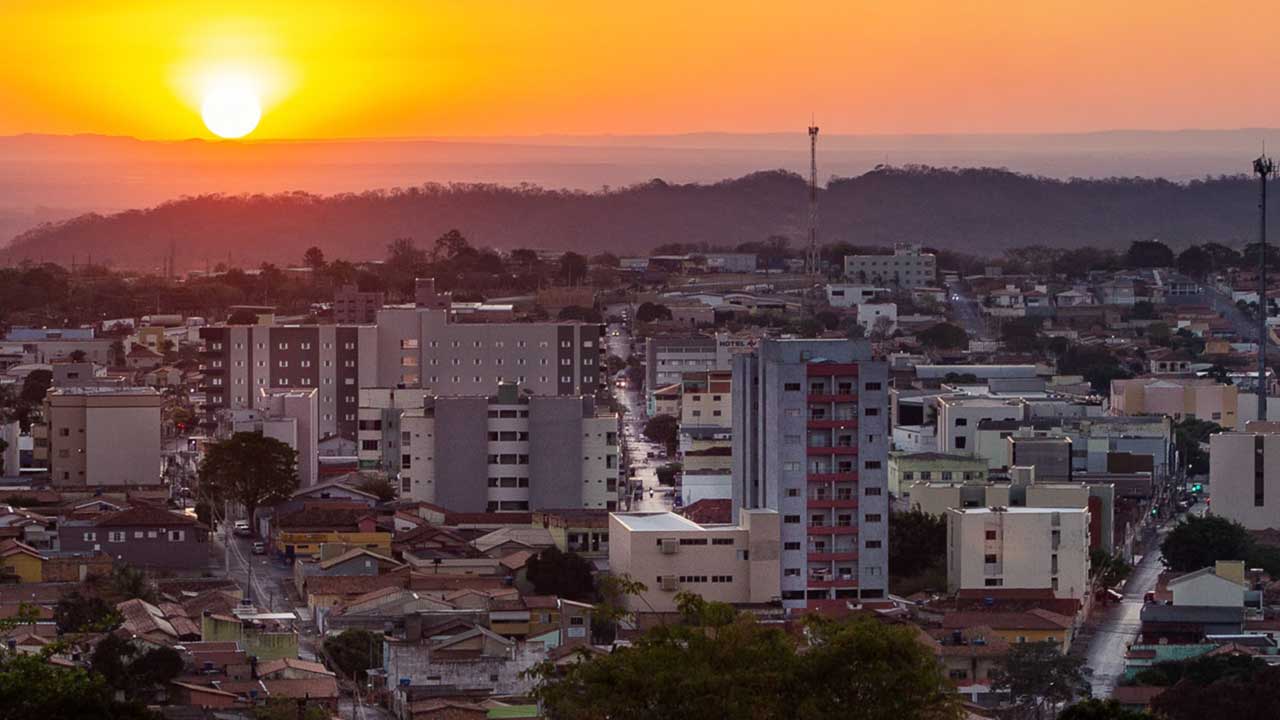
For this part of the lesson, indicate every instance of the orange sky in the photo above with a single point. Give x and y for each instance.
(340, 68)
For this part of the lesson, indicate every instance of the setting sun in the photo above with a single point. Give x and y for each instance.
(231, 110)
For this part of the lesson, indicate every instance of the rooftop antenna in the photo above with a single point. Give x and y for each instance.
(1264, 168)
(811, 258)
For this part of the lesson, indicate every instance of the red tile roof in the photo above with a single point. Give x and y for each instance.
(1006, 620)
(145, 516)
(709, 511)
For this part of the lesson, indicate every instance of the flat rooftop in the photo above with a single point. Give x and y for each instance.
(657, 522)
(1019, 510)
(103, 390)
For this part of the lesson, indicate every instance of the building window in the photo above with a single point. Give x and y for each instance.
(961, 442)
(871, 465)
(872, 517)
(871, 491)
(791, 546)
(791, 572)
(991, 534)
(91, 537)
(993, 582)
(115, 536)
(791, 387)
(873, 544)
(871, 412)
(791, 519)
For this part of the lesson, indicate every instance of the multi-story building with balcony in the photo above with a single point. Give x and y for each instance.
(810, 441)
(509, 452)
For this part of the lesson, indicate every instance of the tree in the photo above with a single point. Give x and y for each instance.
(917, 542)
(652, 312)
(1195, 261)
(579, 313)
(868, 670)
(1159, 333)
(1148, 254)
(249, 469)
(1198, 542)
(78, 612)
(354, 652)
(31, 688)
(314, 259)
(35, 386)
(566, 575)
(861, 669)
(129, 669)
(1110, 570)
(1038, 676)
(449, 246)
(573, 268)
(377, 484)
(1188, 436)
(945, 336)
(664, 429)
(291, 709)
(77, 356)
(1094, 709)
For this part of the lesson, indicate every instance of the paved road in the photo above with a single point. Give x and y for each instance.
(1119, 624)
(967, 312)
(1244, 326)
(653, 497)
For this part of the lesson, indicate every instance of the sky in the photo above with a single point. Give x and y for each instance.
(445, 68)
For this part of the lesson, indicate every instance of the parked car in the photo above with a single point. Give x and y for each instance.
(259, 548)
(241, 529)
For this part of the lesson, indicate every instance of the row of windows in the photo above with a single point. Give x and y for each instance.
(119, 536)
(284, 346)
(509, 482)
(567, 379)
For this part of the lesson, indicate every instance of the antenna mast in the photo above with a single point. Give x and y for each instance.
(811, 258)
(1264, 167)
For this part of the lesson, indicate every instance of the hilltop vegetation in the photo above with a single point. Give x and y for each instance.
(982, 211)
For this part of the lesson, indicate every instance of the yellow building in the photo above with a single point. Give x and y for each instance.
(307, 544)
(262, 635)
(22, 561)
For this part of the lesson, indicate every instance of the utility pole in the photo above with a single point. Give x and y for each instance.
(811, 258)
(1264, 168)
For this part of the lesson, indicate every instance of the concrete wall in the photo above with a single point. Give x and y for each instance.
(1021, 542)
(1244, 478)
(556, 453)
(461, 429)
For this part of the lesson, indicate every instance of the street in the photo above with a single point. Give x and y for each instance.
(1243, 325)
(638, 449)
(967, 312)
(1118, 625)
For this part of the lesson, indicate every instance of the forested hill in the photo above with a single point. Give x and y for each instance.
(981, 211)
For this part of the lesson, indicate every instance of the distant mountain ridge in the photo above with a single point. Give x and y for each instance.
(981, 211)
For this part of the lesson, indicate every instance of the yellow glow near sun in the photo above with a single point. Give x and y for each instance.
(231, 107)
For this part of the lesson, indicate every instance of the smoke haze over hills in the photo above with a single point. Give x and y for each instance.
(46, 178)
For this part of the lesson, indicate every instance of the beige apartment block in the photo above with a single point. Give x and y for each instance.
(1179, 398)
(1019, 548)
(672, 554)
(1244, 475)
(103, 436)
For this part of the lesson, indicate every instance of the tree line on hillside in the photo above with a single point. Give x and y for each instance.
(985, 211)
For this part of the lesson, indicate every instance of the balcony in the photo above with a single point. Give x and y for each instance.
(833, 424)
(833, 529)
(826, 582)
(830, 477)
(831, 369)
(837, 556)
(834, 503)
(812, 450)
(826, 397)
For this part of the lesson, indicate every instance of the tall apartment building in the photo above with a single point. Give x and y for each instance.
(1023, 548)
(239, 361)
(509, 452)
(1244, 475)
(411, 346)
(290, 416)
(906, 267)
(353, 307)
(101, 437)
(810, 441)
